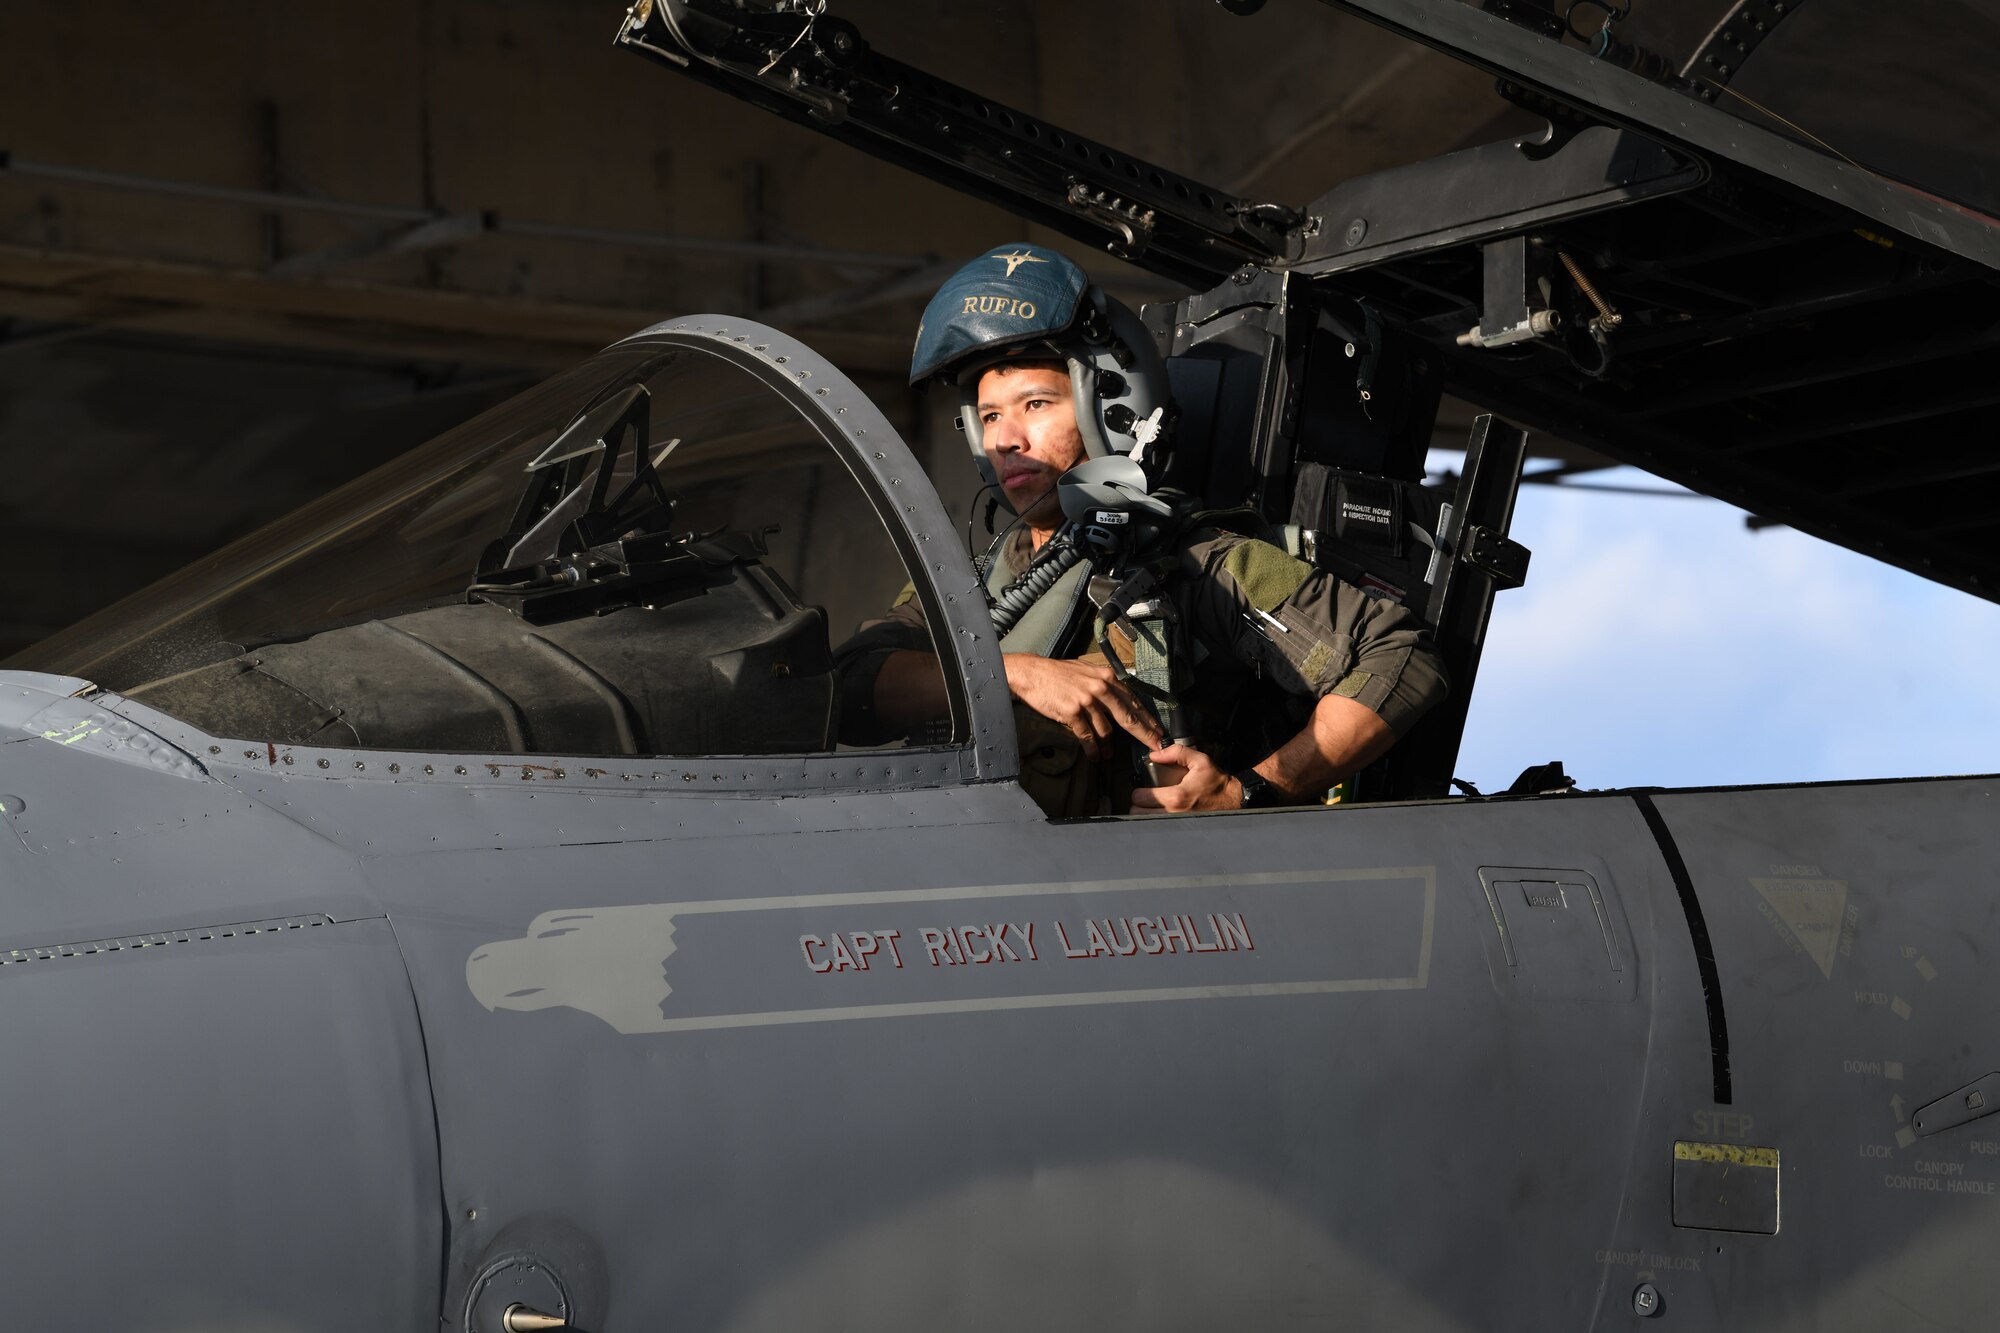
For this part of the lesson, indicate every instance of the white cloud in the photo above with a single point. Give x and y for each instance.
(1658, 642)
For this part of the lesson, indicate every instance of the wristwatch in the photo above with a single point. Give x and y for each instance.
(1258, 793)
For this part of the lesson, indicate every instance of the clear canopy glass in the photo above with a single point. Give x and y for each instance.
(746, 478)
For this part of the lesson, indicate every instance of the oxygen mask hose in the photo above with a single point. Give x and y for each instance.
(1062, 553)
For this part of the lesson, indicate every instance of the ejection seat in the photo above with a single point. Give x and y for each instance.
(1306, 408)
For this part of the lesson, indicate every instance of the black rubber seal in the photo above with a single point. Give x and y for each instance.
(1704, 951)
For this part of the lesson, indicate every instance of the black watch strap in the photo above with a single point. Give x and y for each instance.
(1258, 793)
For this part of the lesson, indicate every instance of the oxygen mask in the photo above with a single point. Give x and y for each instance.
(1110, 503)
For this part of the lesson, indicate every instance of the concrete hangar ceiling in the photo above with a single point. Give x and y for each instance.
(248, 251)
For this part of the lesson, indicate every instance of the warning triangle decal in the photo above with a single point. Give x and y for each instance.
(1811, 909)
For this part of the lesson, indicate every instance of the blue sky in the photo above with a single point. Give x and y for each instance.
(1658, 642)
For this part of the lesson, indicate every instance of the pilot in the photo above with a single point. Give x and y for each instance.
(1279, 680)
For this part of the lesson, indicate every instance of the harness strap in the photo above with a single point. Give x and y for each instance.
(1147, 619)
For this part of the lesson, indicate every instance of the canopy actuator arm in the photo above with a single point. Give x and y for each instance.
(816, 70)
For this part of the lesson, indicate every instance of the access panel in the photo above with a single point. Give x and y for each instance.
(1850, 927)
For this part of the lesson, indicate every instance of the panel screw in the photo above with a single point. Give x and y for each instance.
(1355, 231)
(1646, 1300)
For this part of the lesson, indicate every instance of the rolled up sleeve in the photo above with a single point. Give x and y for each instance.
(1311, 633)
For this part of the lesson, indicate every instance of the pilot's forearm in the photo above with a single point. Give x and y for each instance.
(1340, 739)
(909, 691)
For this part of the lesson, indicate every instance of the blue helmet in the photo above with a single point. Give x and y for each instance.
(1028, 300)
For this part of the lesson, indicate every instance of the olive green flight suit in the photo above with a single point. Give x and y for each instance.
(1269, 636)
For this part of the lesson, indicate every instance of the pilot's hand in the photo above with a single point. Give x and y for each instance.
(1083, 696)
(1202, 785)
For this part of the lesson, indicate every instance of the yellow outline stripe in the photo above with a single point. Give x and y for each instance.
(1734, 1153)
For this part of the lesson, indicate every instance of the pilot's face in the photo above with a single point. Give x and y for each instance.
(1028, 430)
